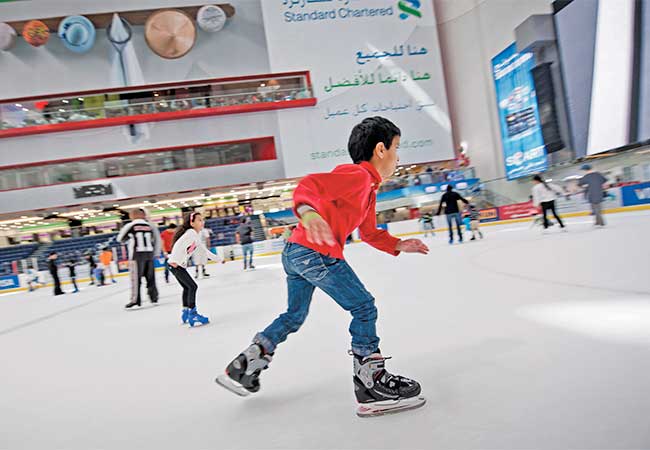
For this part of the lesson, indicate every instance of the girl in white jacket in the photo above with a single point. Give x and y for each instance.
(186, 241)
(544, 196)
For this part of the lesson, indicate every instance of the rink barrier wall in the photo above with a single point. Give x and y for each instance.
(274, 246)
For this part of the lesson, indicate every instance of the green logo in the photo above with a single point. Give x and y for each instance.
(409, 8)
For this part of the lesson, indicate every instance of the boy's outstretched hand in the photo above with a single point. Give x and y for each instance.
(318, 231)
(412, 246)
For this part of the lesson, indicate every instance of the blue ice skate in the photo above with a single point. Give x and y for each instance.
(194, 317)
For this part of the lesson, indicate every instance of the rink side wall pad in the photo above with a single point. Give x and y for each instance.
(623, 209)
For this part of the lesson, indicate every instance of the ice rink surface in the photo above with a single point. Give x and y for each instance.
(521, 340)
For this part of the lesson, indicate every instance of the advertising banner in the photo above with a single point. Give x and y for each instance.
(517, 211)
(159, 262)
(9, 282)
(489, 215)
(521, 134)
(367, 58)
(637, 194)
(123, 266)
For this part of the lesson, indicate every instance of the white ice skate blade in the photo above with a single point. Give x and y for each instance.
(234, 387)
(390, 407)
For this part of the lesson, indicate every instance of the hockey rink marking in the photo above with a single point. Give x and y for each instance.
(55, 314)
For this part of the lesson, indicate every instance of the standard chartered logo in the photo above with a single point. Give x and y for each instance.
(409, 8)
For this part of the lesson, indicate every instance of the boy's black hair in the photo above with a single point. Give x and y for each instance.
(450, 188)
(172, 226)
(366, 135)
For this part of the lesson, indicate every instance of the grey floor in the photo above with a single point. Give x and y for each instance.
(521, 341)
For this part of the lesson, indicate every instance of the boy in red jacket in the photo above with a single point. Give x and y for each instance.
(330, 207)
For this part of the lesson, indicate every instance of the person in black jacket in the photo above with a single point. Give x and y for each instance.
(450, 199)
(93, 265)
(54, 271)
(73, 273)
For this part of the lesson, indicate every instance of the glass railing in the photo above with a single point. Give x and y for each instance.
(426, 177)
(629, 167)
(140, 104)
(138, 163)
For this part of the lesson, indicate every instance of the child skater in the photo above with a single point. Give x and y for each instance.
(330, 206)
(474, 221)
(186, 241)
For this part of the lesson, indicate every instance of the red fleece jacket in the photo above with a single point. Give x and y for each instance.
(346, 199)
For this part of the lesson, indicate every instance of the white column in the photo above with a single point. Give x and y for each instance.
(609, 121)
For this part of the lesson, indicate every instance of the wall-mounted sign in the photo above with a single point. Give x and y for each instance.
(93, 190)
(521, 134)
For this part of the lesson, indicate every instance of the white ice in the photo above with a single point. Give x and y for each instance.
(521, 340)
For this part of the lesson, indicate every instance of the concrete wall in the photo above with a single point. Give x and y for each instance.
(53, 68)
(28, 71)
(471, 33)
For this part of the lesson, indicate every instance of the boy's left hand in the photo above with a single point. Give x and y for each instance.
(412, 246)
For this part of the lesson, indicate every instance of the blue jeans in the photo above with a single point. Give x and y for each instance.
(247, 249)
(167, 269)
(455, 217)
(307, 270)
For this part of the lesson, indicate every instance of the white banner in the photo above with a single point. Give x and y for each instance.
(367, 58)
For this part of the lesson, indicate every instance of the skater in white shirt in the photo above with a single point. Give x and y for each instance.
(544, 196)
(186, 241)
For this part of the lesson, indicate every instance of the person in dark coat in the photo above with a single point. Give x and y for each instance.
(54, 271)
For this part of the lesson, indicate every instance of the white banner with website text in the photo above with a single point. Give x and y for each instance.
(367, 58)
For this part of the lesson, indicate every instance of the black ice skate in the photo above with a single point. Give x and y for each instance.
(242, 374)
(380, 392)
